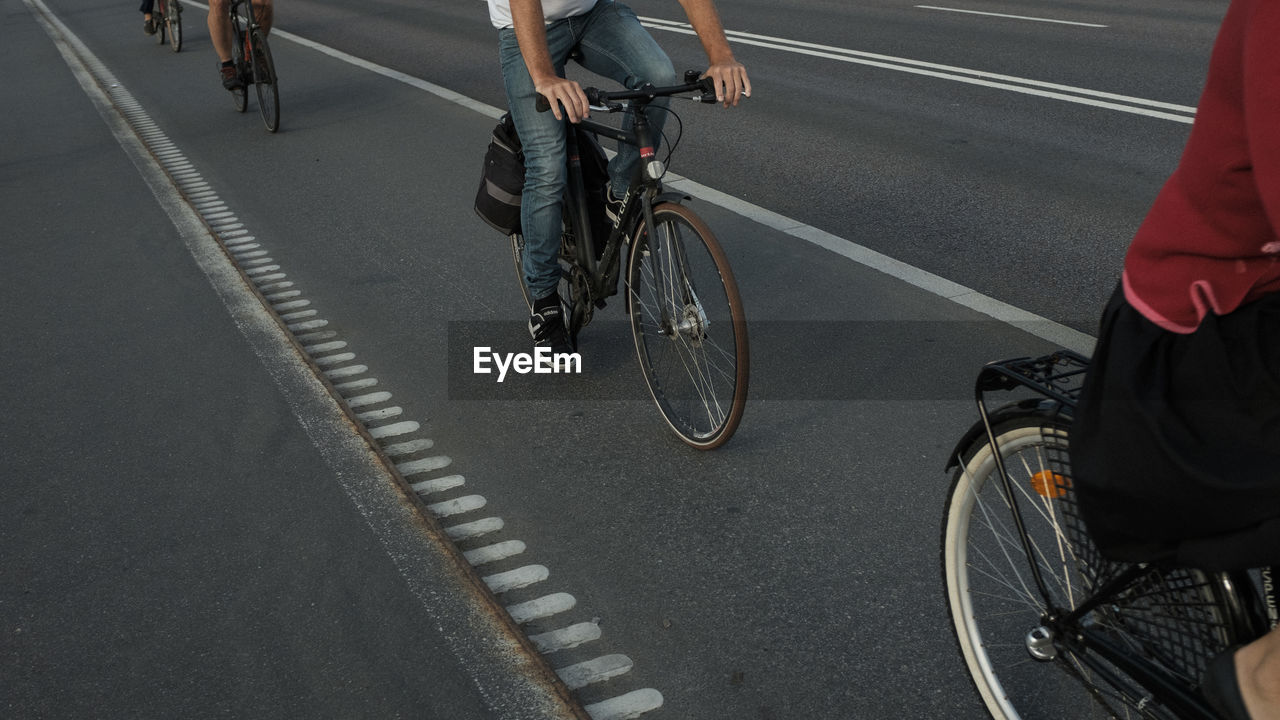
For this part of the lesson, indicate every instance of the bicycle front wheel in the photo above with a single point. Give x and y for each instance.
(264, 79)
(173, 22)
(689, 327)
(1172, 620)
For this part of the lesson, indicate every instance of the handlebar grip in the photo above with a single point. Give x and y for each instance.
(542, 104)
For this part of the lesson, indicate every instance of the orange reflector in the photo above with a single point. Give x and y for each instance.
(1050, 484)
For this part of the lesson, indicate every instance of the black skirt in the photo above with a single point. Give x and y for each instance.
(1175, 446)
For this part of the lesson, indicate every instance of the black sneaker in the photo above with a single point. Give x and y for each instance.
(149, 26)
(230, 78)
(546, 325)
(613, 206)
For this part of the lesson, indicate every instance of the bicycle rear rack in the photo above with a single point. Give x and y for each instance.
(1058, 376)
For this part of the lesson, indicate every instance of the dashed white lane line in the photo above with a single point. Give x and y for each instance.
(566, 638)
(521, 577)
(1011, 17)
(582, 674)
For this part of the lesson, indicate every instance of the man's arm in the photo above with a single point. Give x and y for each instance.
(729, 75)
(531, 33)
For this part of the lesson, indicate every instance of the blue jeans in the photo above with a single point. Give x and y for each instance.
(613, 44)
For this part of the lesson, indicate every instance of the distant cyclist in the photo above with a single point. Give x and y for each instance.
(1176, 443)
(535, 40)
(220, 34)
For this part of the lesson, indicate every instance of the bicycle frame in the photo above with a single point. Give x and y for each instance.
(641, 194)
(644, 189)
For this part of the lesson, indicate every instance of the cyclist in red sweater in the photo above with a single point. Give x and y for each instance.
(1176, 443)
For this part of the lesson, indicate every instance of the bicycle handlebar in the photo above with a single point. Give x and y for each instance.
(609, 99)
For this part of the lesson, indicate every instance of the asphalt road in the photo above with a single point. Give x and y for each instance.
(793, 573)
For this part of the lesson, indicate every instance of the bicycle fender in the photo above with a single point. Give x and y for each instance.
(978, 432)
(672, 197)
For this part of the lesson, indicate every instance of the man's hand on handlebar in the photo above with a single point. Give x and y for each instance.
(568, 94)
(731, 82)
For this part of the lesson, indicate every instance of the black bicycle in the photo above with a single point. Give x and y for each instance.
(252, 56)
(686, 315)
(1048, 627)
(169, 23)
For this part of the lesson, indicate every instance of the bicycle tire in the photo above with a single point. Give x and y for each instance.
(1176, 619)
(264, 79)
(173, 24)
(240, 95)
(517, 258)
(695, 362)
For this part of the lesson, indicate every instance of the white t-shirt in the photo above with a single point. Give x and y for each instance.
(500, 10)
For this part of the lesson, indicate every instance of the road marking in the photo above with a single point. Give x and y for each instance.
(592, 671)
(481, 643)
(1012, 17)
(494, 553)
(457, 506)
(566, 638)
(515, 579)
(542, 608)
(626, 706)
(1026, 86)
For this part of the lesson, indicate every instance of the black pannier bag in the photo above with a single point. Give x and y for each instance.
(498, 199)
(502, 181)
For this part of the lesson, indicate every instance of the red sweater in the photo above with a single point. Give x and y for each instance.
(1210, 242)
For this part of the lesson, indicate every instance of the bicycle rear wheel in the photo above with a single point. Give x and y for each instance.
(240, 95)
(173, 23)
(264, 79)
(689, 327)
(1175, 619)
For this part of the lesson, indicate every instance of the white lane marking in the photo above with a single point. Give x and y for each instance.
(582, 674)
(495, 552)
(516, 579)
(312, 325)
(409, 447)
(360, 384)
(1055, 333)
(1011, 17)
(474, 529)
(416, 467)
(1026, 86)
(542, 608)
(438, 485)
(625, 707)
(383, 414)
(457, 506)
(369, 399)
(334, 359)
(400, 428)
(566, 638)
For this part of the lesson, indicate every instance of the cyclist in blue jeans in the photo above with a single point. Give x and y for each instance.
(536, 39)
